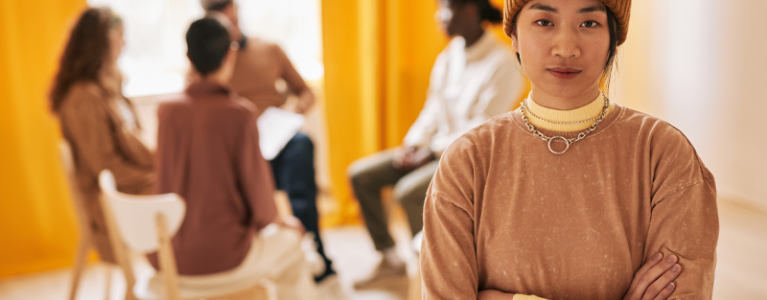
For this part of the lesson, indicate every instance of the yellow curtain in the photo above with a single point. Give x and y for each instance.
(37, 225)
(378, 57)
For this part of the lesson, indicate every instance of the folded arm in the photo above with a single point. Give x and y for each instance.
(296, 84)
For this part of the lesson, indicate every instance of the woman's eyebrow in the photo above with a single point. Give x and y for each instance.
(543, 7)
(591, 9)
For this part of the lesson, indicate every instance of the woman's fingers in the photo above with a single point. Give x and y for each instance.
(666, 292)
(653, 273)
(650, 263)
(634, 292)
(661, 285)
(648, 274)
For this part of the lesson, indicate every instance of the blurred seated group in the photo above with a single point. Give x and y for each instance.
(208, 144)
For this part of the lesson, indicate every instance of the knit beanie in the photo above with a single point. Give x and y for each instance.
(620, 8)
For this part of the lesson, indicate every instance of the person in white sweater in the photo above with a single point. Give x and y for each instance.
(473, 80)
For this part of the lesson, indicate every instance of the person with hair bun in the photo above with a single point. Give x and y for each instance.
(473, 80)
(571, 196)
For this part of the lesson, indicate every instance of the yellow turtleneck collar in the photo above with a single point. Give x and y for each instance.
(586, 112)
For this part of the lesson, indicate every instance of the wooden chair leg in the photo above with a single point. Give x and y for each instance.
(120, 252)
(167, 260)
(77, 269)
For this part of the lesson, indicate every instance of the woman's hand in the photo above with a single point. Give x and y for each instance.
(655, 280)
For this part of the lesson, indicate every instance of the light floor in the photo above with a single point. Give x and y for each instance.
(350, 248)
(741, 269)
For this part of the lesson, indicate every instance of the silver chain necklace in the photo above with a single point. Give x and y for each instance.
(567, 141)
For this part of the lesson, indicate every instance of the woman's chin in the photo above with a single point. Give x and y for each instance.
(563, 91)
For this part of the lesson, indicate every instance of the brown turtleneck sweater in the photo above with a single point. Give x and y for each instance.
(504, 213)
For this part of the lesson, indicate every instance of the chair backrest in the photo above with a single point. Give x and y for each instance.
(136, 216)
(65, 154)
(417, 242)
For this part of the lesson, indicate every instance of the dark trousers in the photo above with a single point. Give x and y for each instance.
(293, 172)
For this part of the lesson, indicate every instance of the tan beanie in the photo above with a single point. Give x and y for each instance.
(620, 8)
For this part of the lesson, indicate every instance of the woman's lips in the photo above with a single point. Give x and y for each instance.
(564, 73)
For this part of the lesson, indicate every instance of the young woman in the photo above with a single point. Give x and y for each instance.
(570, 196)
(97, 121)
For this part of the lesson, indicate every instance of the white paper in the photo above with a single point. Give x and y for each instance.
(275, 129)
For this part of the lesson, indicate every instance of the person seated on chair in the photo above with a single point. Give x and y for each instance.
(473, 80)
(208, 153)
(260, 64)
(97, 121)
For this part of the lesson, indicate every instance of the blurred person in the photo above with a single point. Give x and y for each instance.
(260, 65)
(98, 122)
(208, 152)
(570, 196)
(473, 80)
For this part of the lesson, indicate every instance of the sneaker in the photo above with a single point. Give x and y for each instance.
(383, 271)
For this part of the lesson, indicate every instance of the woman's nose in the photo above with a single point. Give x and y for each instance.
(566, 44)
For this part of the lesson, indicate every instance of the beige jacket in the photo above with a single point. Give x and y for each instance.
(99, 138)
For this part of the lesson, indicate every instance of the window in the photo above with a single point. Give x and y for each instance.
(154, 58)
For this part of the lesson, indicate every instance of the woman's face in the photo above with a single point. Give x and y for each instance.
(116, 42)
(563, 45)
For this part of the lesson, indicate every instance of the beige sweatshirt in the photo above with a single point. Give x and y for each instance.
(504, 213)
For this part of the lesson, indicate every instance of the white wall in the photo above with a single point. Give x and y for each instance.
(702, 66)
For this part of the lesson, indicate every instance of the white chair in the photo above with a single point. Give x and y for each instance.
(85, 243)
(416, 243)
(144, 224)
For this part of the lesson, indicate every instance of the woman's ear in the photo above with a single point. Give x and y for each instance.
(514, 42)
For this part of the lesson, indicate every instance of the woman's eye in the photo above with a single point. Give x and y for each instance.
(544, 23)
(589, 24)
